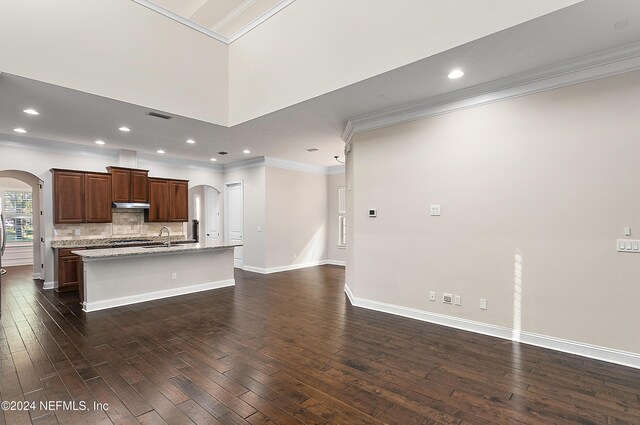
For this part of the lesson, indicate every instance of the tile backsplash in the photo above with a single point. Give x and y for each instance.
(124, 223)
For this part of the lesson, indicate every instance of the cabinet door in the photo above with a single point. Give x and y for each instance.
(139, 186)
(178, 201)
(68, 196)
(121, 185)
(68, 273)
(158, 200)
(97, 198)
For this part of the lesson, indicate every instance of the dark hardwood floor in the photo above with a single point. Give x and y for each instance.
(284, 348)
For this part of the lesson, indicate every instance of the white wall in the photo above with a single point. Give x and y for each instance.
(335, 255)
(313, 47)
(550, 178)
(117, 49)
(296, 212)
(253, 179)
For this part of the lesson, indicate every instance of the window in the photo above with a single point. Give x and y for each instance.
(342, 216)
(17, 207)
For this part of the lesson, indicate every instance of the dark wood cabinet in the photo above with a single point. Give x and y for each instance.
(168, 200)
(178, 200)
(97, 198)
(68, 196)
(139, 186)
(158, 200)
(80, 197)
(129, 185)
(68, 272)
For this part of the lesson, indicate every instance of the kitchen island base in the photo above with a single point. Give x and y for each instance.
(118, 280)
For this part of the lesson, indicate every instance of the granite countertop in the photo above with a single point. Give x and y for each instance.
(120, 241)
(94, 254)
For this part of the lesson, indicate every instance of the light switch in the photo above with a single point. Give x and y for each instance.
(435, 210)
(627, 231)
(628, 245)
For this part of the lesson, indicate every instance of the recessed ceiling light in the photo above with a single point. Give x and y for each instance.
(125, 129)
(160, 151)
(30, 111)
(99, 142)
(19, 130)
(246, 151)
(191, 141)
(212, 159)
(455, 74)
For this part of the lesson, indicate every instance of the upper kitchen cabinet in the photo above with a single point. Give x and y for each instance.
(80, 197)
(178, 200)
(68, 196)
(168, 200)
(129, 185)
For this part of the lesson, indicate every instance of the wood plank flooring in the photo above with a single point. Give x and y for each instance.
(285, 348)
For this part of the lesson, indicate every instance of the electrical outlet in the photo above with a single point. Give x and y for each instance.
(76, 232)
(432, 295)
(483, 304)
(435, 210)
(174, 276)
(447, 298)
(457, 300)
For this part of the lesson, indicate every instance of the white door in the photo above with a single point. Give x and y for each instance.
(235, 220)
(212, 211)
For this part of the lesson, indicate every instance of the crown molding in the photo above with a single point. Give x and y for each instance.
(259, 20)
(169, 14)
(206, 31)
(233, 14)
(337, 169)
(247, 163)
(295, 166)
(601, 65)
(53, 146)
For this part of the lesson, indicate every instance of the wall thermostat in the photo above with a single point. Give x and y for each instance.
(373, 212)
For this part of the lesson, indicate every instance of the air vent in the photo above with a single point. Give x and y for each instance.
(312, 150)
(159, 115)
(222, 153)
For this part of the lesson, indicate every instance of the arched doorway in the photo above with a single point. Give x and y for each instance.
(204, 206)
(36, 226)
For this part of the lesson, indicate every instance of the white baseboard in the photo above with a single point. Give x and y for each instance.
(48, 285)
(38, 276)
(337, 263)
(270, 270)
(606, 354)
(134, 299)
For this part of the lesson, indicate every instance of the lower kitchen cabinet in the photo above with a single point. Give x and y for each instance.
(68, 272)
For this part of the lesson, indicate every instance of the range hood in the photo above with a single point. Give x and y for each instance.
(131, 205)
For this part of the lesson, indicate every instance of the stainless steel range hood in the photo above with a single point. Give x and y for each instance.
(131, 205)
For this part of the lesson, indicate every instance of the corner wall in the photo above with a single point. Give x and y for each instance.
(534, 193)
(296, 207)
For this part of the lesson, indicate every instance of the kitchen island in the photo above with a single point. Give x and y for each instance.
(121, 276)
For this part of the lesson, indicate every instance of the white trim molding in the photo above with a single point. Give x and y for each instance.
(337, 263)
(601, 65)
(279, 269)
(234, 14)
(134, 299)
(606, 354)
(48, 285)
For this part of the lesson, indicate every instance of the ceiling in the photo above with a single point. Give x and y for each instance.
(76, 117)
(223, 17)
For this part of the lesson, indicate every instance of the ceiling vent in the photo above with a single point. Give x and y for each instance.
(159, 115)
(222, 153)
(312, 150)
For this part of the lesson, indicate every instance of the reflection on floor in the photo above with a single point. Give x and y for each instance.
(282, 348)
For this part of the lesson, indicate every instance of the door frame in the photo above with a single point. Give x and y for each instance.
(226, 212)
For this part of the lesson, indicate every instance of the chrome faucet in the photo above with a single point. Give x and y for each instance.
(168, 236)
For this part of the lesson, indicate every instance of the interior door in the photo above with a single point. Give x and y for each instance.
(236, 220)
(213, 212)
